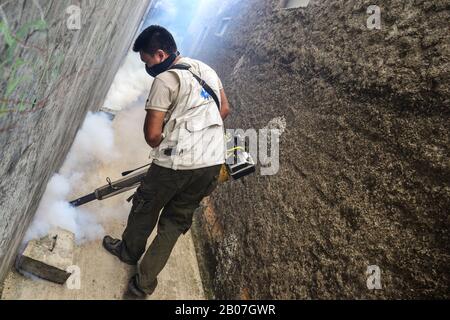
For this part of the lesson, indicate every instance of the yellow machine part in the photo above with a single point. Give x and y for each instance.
(224, 175)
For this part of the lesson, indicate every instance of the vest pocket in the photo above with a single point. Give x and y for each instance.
(199, 123)
(196, 139)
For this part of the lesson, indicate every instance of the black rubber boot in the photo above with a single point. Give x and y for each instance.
(133, 288)
(114, 246)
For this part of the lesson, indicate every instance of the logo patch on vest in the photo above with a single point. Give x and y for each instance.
(205, 95)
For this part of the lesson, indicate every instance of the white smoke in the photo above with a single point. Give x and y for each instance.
(54, 211)
(129, 84)
(101, 149)
(93, 145)
(169, 7)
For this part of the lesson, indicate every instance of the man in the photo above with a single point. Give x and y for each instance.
(184, 126)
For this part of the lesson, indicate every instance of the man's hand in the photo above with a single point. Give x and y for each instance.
(153, 127)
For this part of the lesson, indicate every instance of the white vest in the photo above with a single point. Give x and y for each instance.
(193, 133)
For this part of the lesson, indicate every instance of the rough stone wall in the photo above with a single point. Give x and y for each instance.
(364, 176)
(50, 77)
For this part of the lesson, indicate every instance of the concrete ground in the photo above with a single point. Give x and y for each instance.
(103, 276)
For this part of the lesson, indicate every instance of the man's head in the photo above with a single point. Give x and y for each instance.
(155, 44)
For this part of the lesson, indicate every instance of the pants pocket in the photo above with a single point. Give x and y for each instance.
(142, 204)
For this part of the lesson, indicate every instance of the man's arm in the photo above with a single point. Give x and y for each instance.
(224, 105)
(153, 127)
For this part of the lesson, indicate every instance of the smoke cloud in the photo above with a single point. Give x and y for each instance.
(102, 148)
(93, 145)
(130, 83)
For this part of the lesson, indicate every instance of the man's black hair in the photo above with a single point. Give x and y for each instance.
(155, 38)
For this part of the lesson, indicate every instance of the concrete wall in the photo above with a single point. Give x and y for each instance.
(50, 77)
(364, 177)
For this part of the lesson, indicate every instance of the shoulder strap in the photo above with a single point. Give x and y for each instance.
(200, 80)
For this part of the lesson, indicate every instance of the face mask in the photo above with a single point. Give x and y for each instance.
(161, 67)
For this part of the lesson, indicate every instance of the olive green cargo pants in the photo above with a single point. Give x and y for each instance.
(178, 194)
